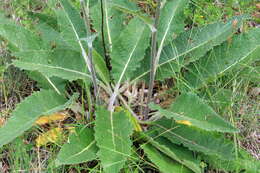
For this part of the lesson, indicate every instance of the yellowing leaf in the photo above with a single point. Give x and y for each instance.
(50, 118)
(133, 120)
(51, 136)
(71, 129)
(136, 125)
(185, 122)
(118, 109)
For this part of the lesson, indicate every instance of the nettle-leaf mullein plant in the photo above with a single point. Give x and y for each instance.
(106, 45)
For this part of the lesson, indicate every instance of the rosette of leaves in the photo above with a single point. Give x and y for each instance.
(54, 55)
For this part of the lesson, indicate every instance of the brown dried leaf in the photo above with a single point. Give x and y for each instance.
(59, 116)
(51, 136)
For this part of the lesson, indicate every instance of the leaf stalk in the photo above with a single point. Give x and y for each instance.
(153, 63)
(85, 10)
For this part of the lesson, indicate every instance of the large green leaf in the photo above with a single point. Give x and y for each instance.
(189, 107)
(46, 83)
(242, 49)
(244, 163)
(53, 37)
(44, 102)
(196, 139)
(81, 147)
(49, 19)
(19, 36)
(189, 46)
(164, 163)
(77, 27)
(40, 53)
(25, 40)
(131, 8)
(66, 30)
(73, 23)
(129, 50)
(112, 133)
(171, 21)
(66, 64)
(176, 152)
(112, 24)
(65, 25)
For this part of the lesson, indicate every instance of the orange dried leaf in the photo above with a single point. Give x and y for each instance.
(51, 136)
(2, 122)
(50, 118)
(185, 122)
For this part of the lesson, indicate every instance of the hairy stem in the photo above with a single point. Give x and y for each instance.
(153, 63)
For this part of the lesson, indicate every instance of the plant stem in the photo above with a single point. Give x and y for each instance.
(85, 10)
(153, 63)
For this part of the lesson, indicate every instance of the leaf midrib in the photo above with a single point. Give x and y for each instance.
(166, 31)
(244, 57)
(191, 142)
(53, 67)
(83, 150)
